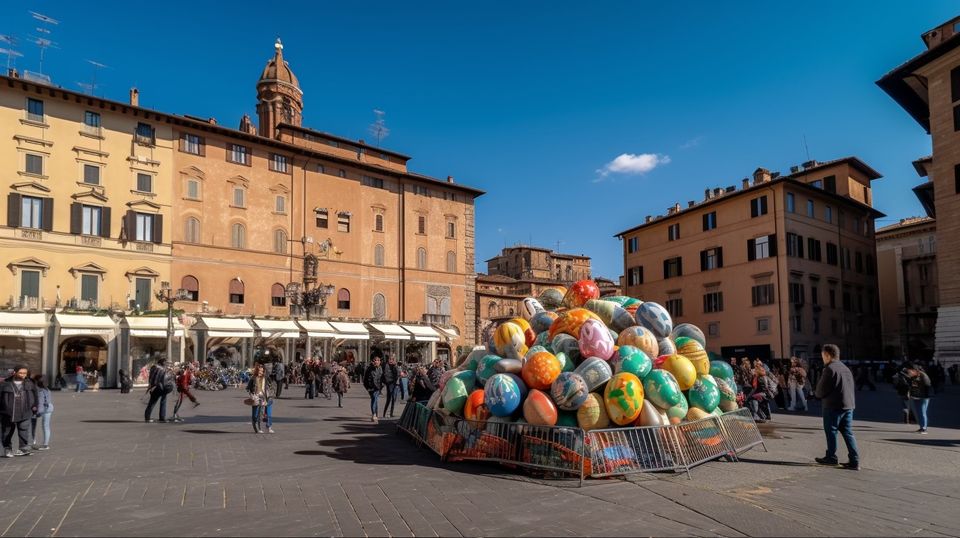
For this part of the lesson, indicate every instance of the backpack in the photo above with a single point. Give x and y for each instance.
(169, 381)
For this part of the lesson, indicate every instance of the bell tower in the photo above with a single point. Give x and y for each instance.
(279, 98)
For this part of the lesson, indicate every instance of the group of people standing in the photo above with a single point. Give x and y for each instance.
(400, 384)
(25, 402)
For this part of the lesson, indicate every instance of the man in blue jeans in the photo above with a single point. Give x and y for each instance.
(836, 390)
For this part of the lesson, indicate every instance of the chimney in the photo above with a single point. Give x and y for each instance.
(247, 126)
(648, 219)
(761, 175)
(717, 192)
(134, 97)
(706, 194)
(746, 182)
(794, 169)
(940, 34)
(449, 179)
(212, 121)
(809, 164)
(691, 203)
(731, 188)
(774, 175)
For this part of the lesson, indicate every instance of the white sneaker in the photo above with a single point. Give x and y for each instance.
(270, 430)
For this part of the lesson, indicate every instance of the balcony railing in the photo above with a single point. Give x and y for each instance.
(143, 138)
(27, 303)
(438, 319)
(30, 233)
(92, 130)
(34, 117)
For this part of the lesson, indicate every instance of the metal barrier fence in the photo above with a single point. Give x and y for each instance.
(572, 451)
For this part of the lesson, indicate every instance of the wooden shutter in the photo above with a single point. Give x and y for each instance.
(719, 257)
(773, 244)
(705, 215)
(754, 204)
(158, 228)
(703, 260)
(130, 225)
(666, 269)
(679, 266)
(105, 222)
(751, 249)
(955, 84)
(13, 210)
(799, 246)
(47, 223)
(76, 218)
(203, 146)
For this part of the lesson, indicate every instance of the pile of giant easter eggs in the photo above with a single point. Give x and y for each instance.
(575, 359)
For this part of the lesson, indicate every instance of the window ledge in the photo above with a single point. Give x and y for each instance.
(41, 124)
(143, 193)
(92, 135)
(31, 174)
(231, 161)
(189, 199)
(237, 206)
(279, 212)
(83, 183)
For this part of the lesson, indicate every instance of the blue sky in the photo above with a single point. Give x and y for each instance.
(534, 101)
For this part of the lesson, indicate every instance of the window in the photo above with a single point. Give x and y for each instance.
(191, 143)
(278, 295)
(794, 245)
(451, 230)
(846, 258)
(35, 110)
(758, 206)
(378, 255)
(762, 247)
(31, 212)
(762, 294)
(145, 134)
(280, 204)
(828, 214)
(91, 174)
(814, 295)
(421, 225)
(280, 242)
(816, 325)
(191, 230)
(796, 293)
(675, 307)
(956, 179)
(858, 257)
(278, 163)
(238, 154)
(818, 183)
(343, 299)
(847, 303)
(89, 288)
(378, 223)
(193, 189)
(673, 232)
(451, 261)
(238, 236)
(711, 259)
(713, 302)
(870, 267)
(856, 225)
(90, 220)
(142, 294)
(635, 276)
(673, 267)
(814, 253)
(830, 184)
(341, 173)
(763, 325)
(421, 190)
(709, 221)
(832, 254)
(421, 258)
(239, 197)
(192, 286)
(33, 164)
(91, 122)
(791, 203)
(322, 218)
(236, 291)
(30, 284)
(374, 182)
(633, 245)
(144, 227)
(379, 306)
(811, 209)
(833, 298)
(144, 182)
(343, 222)
(713, 329)
(321, 169)
(834, 327)
(796, 322)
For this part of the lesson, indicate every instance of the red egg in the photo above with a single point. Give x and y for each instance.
(539, 409)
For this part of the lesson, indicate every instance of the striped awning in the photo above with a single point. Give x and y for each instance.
(150, 327)
(389, 331)
(224, 327)
(318, 329)
(350, 331)
(422, 333)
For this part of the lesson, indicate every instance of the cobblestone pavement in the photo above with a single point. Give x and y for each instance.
(327, 471)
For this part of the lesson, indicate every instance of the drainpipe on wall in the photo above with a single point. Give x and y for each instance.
(776, 233)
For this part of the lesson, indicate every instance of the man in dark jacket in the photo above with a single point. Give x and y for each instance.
(18, 404)
(279, 374)
(161, 383)
(423, 387)
(836, 392)
(391, 376)
(373, 382)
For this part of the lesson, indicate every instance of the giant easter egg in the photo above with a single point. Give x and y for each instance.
(651, 416)
(656, 318)
(534, 350)
(661, 388)
(543, 339)
(540, 370)
(552, 298)
(520, 385)
(444, 377)
(678, 413)
(539, 409)
(704, 393)
(634, 361)
(566, 363)
(665, 346)
(454, 396)
(581, 292)
(567, 418)
(541, 321)
(569, 322)
(694, 352)
(595, 340)
(568, 345)
(530, 307)
(469, 377)
(510, 341)
(487, 367)
(529, 335)
(640, 337)
(689, 330)
(473, 358)
(682, 370)
(475, 409)
(695, 413)
(595, 372)
(721, 369)
(727, 388)
(592, 415)
(569, 391)
(728, 405)
(618, 299)
(623, 398)
(501, 395)
(603, 309)
(508, 366)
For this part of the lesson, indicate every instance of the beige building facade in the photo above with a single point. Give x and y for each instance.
(774, 268)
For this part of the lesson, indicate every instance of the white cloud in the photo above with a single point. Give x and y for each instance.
(632, 164)
(692, 143)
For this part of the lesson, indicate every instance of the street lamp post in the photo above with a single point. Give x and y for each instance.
(167, 295)
(306, 299)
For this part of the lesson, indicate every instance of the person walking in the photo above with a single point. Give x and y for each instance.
(760, 394)
(184, 381)
(391, 376)
(18, 404)
(423, 387)
(373, 382)
(403, 388)
(837, 393)
(161, 383)
(44, 413)
(259, 390)
(125, 382)
(309, 380)
(81, 378)
(435, 372)
(901, 383)
(279, 376)
(796, 378)
(920, 392)
(341, 384)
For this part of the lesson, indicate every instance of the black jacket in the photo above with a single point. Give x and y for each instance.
(920, 386)
(423, 388)
(391, 373)
(373, 378)
(17, 405)
(836, 387)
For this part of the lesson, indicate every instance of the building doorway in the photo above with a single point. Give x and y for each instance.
(86, 351)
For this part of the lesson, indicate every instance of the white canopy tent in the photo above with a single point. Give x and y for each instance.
(221, 331)
(23, 324)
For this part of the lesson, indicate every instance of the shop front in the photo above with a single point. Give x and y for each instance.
(223, 342)
(351, 344)
(88, 341)
(22, 337)
(446, 351)
(425, 340)
(143, 341)
(390, 338)
(316, 339)
(274, 339)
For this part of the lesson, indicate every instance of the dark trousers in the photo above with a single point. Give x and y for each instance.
(841, 420)
(759, 408)
(339, 399)
(391, 398)
(279, 388)
(158, 395)
(22, 427)
(188, 394)
(309, 389)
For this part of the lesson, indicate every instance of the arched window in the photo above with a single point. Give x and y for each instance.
(492, 310)
(280, 242)
(378, 255)
(191, 230)
(278, 296)
(192, 286)
(379, 306)
(343, 299)
(236, 291)
(378, 223)
(238, 236)
(451, 261)
(421, 258)
(445, 306)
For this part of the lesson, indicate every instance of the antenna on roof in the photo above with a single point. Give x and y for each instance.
(379, 127)
(44, 30)
(10, 52)
(91, 88)
(806, 149)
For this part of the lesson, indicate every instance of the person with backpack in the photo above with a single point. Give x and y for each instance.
(901, 383)
(161, 383)
(279, 376)
(373, 382)
(184, 381)
(341, 384)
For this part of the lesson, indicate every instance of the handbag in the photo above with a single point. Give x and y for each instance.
(252, 401)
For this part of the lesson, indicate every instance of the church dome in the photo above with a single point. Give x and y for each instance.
(278, 69)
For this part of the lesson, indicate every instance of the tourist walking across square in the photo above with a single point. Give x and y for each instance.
(161, 383)
(836, 392)
(279, 375)
(184, 381)
(341, 384)
(919, 393)
(797, 377)
(373, 382)
(43, 415)
(391, 376)
(259, 390)
(18, 404)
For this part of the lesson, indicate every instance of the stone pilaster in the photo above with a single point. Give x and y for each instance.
(469, 336)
